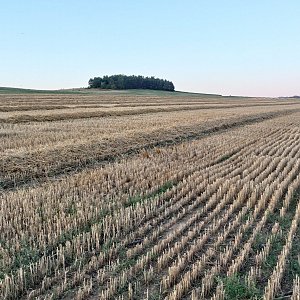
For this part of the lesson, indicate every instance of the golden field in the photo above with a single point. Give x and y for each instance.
(145, 195)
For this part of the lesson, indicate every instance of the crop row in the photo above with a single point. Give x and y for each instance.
(168, 222)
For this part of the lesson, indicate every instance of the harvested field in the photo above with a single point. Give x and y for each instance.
(149, 196)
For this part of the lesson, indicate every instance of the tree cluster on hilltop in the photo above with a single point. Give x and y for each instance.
(124, 82)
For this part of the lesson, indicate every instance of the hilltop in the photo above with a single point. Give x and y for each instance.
(12, 90)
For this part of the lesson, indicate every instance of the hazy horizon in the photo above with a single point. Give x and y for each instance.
(216, 47)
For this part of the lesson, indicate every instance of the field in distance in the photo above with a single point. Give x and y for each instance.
(148, 195)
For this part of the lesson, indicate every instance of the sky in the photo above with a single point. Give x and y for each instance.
(226, 47)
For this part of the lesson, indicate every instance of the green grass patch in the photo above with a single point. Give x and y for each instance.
(259, 242)
(132, 201)
(225, 157)
(9, 90)
(272, 258)
(293, 265)
(235, 288)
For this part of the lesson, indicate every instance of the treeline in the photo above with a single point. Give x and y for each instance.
(124, 82)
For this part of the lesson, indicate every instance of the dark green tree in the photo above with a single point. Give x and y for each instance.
(121, 82)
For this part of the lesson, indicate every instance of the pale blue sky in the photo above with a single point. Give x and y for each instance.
(225, 46)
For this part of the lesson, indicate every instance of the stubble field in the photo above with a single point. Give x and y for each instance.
(149, 196)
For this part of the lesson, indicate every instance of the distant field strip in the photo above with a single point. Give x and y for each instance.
(21, 164)
(95, 112)
(168, 205)
(18, 109)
